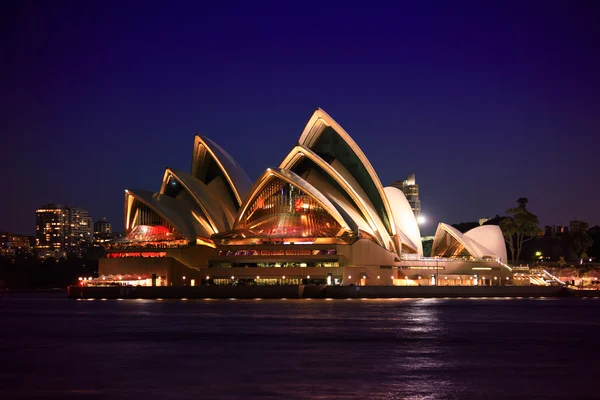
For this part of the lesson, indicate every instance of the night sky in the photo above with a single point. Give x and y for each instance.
(485, 105)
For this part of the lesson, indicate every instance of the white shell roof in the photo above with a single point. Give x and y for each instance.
(236, 177)
(315, 127)
(473, 242)
(404, 218)
(491, 237)
(203, 197)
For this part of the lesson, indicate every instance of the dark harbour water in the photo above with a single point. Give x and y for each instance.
(54, 348)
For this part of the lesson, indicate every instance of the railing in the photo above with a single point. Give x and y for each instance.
(505, 266)
(144, 246)
(554, 277)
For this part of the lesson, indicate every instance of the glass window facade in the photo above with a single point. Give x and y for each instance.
(449, 247)
(283, 210)
(148, 226)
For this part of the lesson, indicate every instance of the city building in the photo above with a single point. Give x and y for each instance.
(411, 190)
(322, 216)
(555, 230)
(62, 231)
(102, 231)
(577, 226)
(13, 246)
(52, 231)
(80, 234)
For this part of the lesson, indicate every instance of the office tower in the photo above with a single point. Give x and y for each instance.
(411, 191)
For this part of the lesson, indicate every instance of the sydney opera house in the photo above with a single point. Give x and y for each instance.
(321, 217)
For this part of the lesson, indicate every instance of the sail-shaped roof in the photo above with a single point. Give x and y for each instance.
(331, 142)
(211, 162)
(307, 163)
(164, 206)
(289, 205)
(450, 242)
(407, 227)
(210, 208)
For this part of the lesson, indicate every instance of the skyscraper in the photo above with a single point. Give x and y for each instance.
(411, 191)
(80, 233)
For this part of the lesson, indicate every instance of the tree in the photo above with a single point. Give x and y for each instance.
(518, 227)
(497, 220)
(427, 247)
(465, 226)
(594, 250)
(582, 240)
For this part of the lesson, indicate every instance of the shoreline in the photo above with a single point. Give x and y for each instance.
(320, 292)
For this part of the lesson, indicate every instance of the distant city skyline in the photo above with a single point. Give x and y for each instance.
(485, 104)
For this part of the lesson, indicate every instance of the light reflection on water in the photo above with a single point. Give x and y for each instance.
(323, 349)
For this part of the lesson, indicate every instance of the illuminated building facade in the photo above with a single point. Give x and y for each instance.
(62, 230)
(411, 190)
(80, 233)
(102, 231)
(322, 216)
(12, 246)
(51, 231)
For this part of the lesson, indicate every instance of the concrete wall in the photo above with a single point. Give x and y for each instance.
(193, 257)
(366, 253)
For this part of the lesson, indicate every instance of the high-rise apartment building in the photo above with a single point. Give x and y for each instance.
(51, 231)
(80, 234)
(411, 191)
(62, 230)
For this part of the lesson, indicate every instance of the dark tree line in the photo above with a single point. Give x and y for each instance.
(29, 272)
(524, 238)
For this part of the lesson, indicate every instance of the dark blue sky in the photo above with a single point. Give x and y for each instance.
(485, 103)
